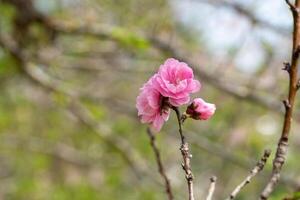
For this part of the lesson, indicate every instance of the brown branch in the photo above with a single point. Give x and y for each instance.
(258, 167)
(282, 147)
(186, 156)
(212, 187)
(161, 168)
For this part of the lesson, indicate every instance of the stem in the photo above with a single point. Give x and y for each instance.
(186, 156)
(292, 70)
(161, 168)
(258, 167)
(212, 187)
(179, 119)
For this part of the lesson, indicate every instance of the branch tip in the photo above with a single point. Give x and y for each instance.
(212, 187)
(213, 179)
(267, 152)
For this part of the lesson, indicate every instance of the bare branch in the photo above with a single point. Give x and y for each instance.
(258, 167)
(282, 147)
(185, 152)
(161, 168)
(212, 187)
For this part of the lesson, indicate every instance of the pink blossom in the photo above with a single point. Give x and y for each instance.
(199, 109)
(176, 80)
(150, 106)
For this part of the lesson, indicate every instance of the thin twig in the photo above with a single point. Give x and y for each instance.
(212, 187)
(161, 168)
(258, 167)
(282, 147)
(185, 152)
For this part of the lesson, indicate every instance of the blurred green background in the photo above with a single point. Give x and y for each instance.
(70, 72)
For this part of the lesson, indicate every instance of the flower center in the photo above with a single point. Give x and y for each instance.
(176, 81)
(164, 104)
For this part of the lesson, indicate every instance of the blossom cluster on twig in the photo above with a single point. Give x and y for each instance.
(171, 87)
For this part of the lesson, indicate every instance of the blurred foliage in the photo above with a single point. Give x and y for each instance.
(46, 152)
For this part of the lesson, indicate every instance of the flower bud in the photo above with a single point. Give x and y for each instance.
(199, 109)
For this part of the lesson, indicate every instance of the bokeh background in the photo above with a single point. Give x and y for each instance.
(70, 71)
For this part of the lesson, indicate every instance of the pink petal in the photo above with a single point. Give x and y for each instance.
(158, 123)
(179, 102)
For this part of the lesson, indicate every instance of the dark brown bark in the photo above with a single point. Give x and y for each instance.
(292, 70)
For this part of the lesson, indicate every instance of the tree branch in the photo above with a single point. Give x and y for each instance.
(161, 168)
(212, 187)
(258, 167)
(282, 147)
(185, 152)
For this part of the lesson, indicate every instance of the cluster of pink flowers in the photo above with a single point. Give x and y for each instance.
(170, 87)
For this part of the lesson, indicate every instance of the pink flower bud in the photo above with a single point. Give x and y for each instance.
(199, 109)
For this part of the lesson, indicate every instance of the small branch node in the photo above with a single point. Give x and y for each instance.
(296, 52)
(286, 104)
(183, 117)
(298, 84)
(213, 179)
(190, 177)
(286, 67)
